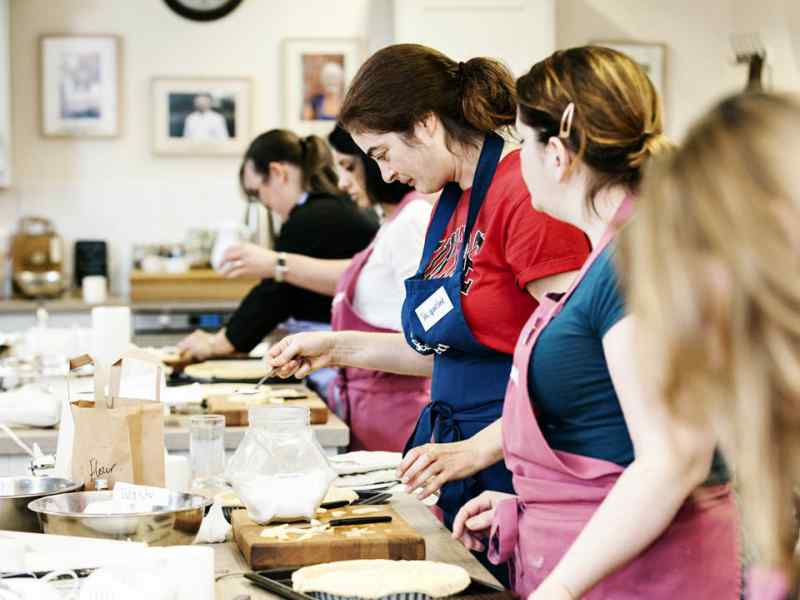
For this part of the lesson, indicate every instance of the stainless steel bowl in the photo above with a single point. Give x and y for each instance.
(169, 524)
(17, 492)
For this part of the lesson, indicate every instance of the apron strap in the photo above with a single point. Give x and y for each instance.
(505, 530)
(451, 194)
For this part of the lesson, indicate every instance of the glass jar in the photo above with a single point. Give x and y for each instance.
(279, 470)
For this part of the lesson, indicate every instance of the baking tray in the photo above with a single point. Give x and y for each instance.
(279, 582)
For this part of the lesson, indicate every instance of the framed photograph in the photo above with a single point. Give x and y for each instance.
(201, 116)
(80, 85)
(316, 76)
(652, 58)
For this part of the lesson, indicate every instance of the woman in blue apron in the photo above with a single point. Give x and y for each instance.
(430, 122)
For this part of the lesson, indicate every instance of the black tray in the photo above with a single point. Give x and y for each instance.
(279, 582)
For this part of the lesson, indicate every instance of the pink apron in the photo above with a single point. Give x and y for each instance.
(767, 584)
(380, 408)
(695, 558)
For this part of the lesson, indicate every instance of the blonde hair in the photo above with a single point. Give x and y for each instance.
(712, 263)
(617, 124)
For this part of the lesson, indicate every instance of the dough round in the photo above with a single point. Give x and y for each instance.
(227, 369)
(381, 578)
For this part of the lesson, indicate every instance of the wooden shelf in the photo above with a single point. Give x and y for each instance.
(196, 284)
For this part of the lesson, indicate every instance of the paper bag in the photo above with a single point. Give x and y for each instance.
(118, 439)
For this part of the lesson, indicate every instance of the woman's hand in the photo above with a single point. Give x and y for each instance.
(473, 521)
(248, 260)
(302, 353)
(201, 345)
(551, 590)
(430, 466)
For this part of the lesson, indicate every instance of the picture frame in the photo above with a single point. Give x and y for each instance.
(317, 73)
(652, 56)
(201, 116)
(80, 85)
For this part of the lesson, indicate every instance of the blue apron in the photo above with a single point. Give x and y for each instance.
(469, 379)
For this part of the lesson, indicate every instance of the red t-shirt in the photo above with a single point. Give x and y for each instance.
(511, 245)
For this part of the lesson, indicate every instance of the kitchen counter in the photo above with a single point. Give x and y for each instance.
(73, 303)
(439, 546)
(333, 434)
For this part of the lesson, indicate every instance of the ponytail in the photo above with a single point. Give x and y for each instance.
(311, 154)
(319, 173)
(488, 99)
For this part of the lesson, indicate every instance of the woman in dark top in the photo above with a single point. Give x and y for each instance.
(295, 178)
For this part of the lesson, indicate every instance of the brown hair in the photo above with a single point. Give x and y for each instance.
(617, 123)
(726, 207)
(401, 85)
(310, 153)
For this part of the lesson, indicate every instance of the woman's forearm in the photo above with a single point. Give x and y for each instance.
(488, 443)
(639, 508)
(315, 274)
(380, 352)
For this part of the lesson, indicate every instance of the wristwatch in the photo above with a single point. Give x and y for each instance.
(280, 267)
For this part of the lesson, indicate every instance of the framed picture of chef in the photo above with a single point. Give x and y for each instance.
(79, 90)
(316, 75)
(200, 116)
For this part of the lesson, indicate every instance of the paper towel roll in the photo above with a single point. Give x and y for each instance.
(111, 332)
(178, 473)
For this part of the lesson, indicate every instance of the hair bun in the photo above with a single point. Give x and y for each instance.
(651, 144)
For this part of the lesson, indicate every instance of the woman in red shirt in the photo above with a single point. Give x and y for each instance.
(432, 123)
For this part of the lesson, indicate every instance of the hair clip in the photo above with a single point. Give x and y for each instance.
(566, 121)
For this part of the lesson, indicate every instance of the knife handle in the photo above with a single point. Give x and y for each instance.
(360, 520)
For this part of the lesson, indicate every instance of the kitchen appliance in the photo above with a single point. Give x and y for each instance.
(37, 259)
(91, 258)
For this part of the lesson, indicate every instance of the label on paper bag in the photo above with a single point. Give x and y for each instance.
(128, 492)
(434, 308)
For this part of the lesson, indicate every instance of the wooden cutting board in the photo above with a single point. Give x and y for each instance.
(236, 412)
(396, 540)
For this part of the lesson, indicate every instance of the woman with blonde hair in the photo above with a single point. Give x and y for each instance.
(712, 262)
(615, 497)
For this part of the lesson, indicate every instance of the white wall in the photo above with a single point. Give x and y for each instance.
(117, 189)
(700, 66)
(520, 32)
(5, 96)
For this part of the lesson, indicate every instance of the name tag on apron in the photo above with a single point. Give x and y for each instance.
(434, 308)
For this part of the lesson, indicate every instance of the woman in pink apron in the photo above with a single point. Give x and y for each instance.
(380, 408)
(613, 496)
(723, 213)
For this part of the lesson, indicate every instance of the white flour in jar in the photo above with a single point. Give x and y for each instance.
(284, 496)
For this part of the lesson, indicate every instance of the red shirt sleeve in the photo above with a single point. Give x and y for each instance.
(537, 245)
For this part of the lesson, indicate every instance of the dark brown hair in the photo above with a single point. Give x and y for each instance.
(400, 85)
(617, 124)
(310, 153)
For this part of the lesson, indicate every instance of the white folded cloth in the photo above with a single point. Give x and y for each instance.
(34, 405)
(363, 461)
(215, 528)
(364, 481)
